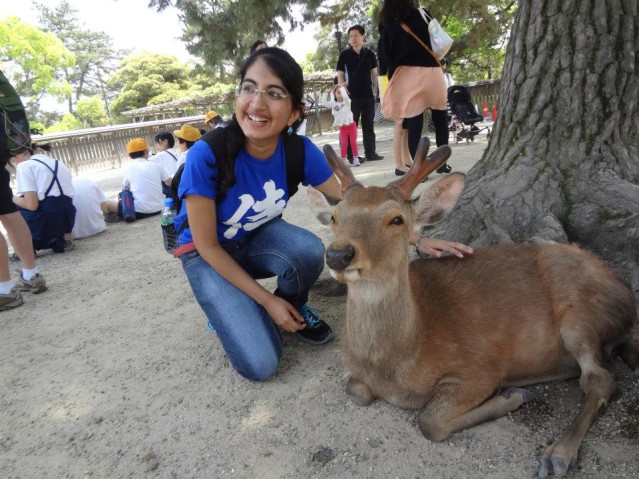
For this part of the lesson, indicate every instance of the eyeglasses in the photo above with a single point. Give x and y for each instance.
(247, 90)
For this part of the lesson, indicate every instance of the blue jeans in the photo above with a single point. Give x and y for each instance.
(249, 336)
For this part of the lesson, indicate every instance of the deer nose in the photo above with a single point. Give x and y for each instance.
(339, 258)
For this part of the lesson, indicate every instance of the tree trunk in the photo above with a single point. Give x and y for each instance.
(562, 163)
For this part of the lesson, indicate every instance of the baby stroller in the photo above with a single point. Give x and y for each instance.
(463, 111)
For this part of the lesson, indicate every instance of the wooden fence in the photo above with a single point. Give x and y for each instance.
(104, 147)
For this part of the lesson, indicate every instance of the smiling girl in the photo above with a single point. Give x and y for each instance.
(236, 234)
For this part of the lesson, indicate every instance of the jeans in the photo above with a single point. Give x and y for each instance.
(249, 336)
(365, 107)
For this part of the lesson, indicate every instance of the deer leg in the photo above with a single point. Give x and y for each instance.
(598, 386)
(359, 391)
(451, 409)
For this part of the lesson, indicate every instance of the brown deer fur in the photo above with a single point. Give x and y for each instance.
(443, 336)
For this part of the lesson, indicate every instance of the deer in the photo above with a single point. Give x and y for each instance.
(457, 339)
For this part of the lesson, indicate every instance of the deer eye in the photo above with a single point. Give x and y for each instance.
(398, 220)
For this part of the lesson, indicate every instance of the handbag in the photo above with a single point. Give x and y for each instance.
(440, 41)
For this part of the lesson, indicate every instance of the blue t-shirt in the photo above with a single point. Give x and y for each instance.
(259, 194)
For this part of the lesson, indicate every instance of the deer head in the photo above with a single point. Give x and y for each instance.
(373, 225)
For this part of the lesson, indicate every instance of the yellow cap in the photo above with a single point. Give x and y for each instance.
(188, 133)
(137, 144)
(210, 115)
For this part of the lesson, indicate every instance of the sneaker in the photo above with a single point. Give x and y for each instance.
(374, 157)
(35, 285)
(445, 168)
(111, 218)
(11, 300)
(68, 245)
(346, 162)
(356, 162)
(316, 330)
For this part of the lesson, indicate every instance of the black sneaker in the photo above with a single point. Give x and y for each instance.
(374, 157)
(316, 330)
(445, 168)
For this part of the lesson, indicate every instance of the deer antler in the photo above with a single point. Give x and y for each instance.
(422, 167)
(342, 171)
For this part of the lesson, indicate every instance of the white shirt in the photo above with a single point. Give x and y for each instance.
(89, 219)
(168, 161)
(145, 180)
(34, 176)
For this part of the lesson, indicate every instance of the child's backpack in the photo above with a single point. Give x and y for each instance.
(216, 139)
(128, 205)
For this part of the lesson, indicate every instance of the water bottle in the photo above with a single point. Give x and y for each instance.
(169, 233)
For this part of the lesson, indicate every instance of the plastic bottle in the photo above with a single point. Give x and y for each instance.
(168, 228)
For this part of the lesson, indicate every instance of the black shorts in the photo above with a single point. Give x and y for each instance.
(6, 195)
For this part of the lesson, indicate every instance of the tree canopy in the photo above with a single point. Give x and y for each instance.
(33, 61)
(148, 79)
(96, 57)
(218, 31)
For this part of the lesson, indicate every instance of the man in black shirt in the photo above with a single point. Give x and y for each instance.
(357, 71)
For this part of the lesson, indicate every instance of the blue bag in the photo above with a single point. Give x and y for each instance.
(128, 206)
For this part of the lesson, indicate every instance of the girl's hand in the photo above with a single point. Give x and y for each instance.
(284, 314)
(437, 248)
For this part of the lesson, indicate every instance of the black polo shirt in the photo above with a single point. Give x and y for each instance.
(357, 68)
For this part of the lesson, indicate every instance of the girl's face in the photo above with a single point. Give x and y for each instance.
(338, 94)
(263, 109)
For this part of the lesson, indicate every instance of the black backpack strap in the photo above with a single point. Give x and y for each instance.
(174, 157)
(294, 155)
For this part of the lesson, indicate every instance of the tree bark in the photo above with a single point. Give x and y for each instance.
(562, 163)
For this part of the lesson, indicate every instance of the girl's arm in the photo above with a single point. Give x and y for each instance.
(29, 201)
(437, 248)
(331, 187)
(203, 223)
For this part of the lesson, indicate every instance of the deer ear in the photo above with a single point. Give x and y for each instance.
(438, 200)
(320, 205)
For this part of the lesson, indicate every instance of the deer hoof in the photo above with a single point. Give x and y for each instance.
(556, 465)
(525, 395)
(359, 392)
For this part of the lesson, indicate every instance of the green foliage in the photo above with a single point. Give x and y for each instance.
(221, 31)
(96, 58)
(91, 112)
(69, 122)
(147, 79)
(33, 61)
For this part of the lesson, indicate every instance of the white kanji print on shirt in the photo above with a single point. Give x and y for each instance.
(270, 207)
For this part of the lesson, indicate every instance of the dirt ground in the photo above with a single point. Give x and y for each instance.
(112, 373)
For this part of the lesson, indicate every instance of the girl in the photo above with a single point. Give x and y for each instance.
(340, 104)
(45, 199)
(236, 234)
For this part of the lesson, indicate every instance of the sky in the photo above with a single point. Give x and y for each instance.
(121, 20)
